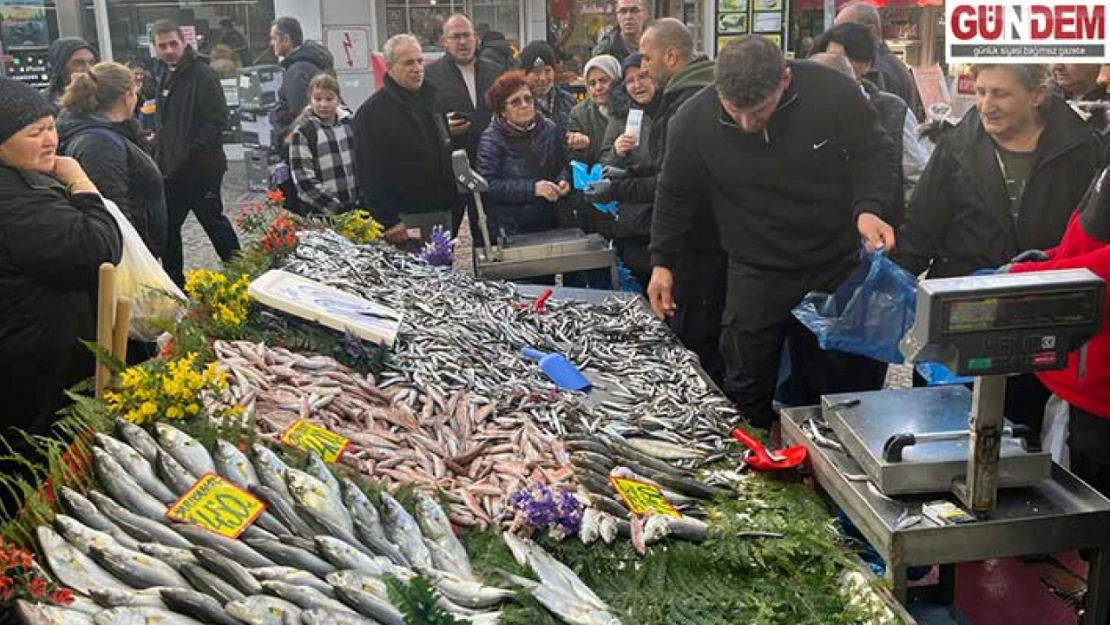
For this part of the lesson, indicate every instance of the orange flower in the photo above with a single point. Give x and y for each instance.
(167, 349)
(62, 596)
(275, 196)
(26, 560)
(37, 588)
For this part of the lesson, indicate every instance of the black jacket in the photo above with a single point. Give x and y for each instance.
(635, 192)
(892, 117)
(892, 75)
(403, 153)
(111, 153)
(512, 166)
(57, 56)
(51, 248)
(498, 52)
(452, 96)
(301, 65)
(786, 198)
(611, 42)
(564, 101)
(959, 217)
(190, 121)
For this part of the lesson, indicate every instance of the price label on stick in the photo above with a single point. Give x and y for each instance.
(641, 497)
(308, 436)
(218, 506)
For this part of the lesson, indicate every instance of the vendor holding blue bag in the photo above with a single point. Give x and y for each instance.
(1004, 180)
(786, 155)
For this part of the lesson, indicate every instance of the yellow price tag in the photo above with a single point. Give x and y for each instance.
(641, 497)
(308, 436)
(218, 506)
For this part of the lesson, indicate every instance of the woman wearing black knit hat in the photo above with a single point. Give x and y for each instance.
(54, 234)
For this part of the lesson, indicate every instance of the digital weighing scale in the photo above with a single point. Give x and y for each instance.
(893, 451)
(531, 255)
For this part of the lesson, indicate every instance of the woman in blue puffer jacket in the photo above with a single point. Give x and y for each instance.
(524, 160)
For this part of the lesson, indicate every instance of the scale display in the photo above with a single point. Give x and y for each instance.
(1007, 323)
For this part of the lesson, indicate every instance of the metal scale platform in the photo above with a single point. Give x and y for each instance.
(531, 255)
(886, 453)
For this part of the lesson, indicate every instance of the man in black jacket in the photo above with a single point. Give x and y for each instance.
(787, 158)
(190, 118)
(623, 38)
(889, 72)
(302, 60)
(461, 80)
(67, 56)
(403, 149)
(497, 50)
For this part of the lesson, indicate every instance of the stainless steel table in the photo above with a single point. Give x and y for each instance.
(1058, 514)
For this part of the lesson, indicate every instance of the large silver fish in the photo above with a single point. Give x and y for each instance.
(173, 474)
(185, 449)
(234, 465)
(27, 613)
(137, 467)
(86, 512)
(404, 532)
(136, 569)
(306, 598)
(138, 526)
(370, 605)
(436, 527)
(264, 610)
(231, 571)
(142, 615)
(123, 488)
(321, 616)
(318, 497)
(342, 554)
(318, 469)
(271, 470)
(71, 567)
(235, 549)
(211, 584)
(139, 439)
(114, 598)
(204, 607)
(289, 555)
(291, 575)
(80, 535)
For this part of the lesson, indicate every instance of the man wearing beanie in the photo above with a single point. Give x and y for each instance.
(589, 118)
(555, 102)
(623, 38)
(67, 56)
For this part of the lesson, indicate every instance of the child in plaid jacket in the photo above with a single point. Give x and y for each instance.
(322, 151)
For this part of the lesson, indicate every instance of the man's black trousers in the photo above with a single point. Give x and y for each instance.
(205, 202)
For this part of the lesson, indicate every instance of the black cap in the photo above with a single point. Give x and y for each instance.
(632, 60)
(22, 106)
(536, 54)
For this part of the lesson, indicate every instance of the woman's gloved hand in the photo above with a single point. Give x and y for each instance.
(1030, 256)
(599, 191)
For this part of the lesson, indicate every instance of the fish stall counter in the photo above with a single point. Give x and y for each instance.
(937, 475)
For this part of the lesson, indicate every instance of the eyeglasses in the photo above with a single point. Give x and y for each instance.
(521, 101)
(628, 11)
(461, 36)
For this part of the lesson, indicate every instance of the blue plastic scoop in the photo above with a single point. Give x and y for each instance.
(561, 371)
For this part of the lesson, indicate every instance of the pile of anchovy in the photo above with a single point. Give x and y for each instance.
(460, 332)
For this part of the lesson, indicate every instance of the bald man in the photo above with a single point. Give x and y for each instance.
(889, 72)
(461, 80)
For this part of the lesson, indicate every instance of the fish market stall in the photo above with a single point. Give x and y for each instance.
(265, 470)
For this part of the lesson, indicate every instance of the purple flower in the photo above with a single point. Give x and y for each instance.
(438, 250)
(549, 510)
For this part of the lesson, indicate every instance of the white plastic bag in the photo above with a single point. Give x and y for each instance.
(1054, 432)
(155, 299)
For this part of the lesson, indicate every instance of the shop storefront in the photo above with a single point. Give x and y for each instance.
(913, 29)
(26, 29)
(424, 18)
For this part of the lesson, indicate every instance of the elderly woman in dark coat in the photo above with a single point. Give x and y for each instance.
(54, 234)
(524, 160)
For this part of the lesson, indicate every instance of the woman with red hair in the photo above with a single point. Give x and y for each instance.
(523, 158)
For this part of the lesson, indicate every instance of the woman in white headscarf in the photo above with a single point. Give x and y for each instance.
(589, 117)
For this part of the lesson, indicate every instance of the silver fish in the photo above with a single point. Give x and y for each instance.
(470, 594)
(206, 608)
(379, 544)
(229, 570)
(264, 610)
(317, 497)
(80, 535)
(283, 510)
(369, 605)
(142, 615)
(235, 549)
(114, 598)
(123, 488)
(306, 598)
(342, 554)
(139, 439)
(173, 556)
(86, 512)
(29, 613)
(211, 584)
(436, 527)
(293, 576)
(176, 477)
(318, 469)
(552, 573)
(289, 555)
(140, 527)
(404, 532)
(234, 465)
(321, 616)
(136, 569)
(71, 567)
(590, 529)
(661, 526)
(271, 470)
(137, 467)
(185, 449)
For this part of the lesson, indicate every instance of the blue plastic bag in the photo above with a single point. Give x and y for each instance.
(583, 176)
(868, 314)
(937, 374)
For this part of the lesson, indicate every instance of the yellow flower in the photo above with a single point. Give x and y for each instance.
(148, 408)
(134, 416)
(192, 408)
(174, 412)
